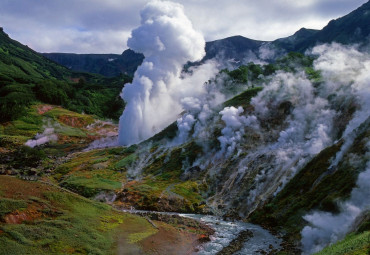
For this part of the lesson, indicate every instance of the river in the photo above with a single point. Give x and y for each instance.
(226, 232)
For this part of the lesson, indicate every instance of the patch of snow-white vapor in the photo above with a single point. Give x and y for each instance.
(347, 74)
(49, 134)
(168, 41)
(234, 128)
(307, 132)
(199, 110)
(46, 136)
(326, 228)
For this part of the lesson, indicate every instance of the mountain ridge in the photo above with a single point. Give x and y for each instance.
(351, 28)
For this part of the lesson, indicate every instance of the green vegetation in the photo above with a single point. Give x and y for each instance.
(27, 77)
(353, 244)
(313, 188)
(61, 223)
(9, 205)
(244, 98)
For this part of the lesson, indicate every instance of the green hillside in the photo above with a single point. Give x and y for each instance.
(27, 77)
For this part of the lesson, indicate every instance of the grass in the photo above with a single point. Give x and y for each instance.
(8, 205)
(89, 187)
(244, 98)
(353, 244)
(69, 224)
(305, 193)
(188, 190)
(91, 172)
(126, 161)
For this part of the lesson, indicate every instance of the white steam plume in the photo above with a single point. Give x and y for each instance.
(326, 228)
(340, 66)
(168, 41)
(347, 73)
(298, 119)
(47, 136)
(233, 132)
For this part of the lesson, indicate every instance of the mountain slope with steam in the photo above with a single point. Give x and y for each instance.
(304, 126)
(285, 145)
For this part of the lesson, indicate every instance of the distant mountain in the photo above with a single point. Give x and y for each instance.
(109, 65)
(352, 28)
(290, 43)
(349, 29)
(235, 47)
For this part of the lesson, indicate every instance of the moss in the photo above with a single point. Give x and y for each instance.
(89, 187)
(137, 237)
(126, 161)
(10, 205)
(81, 227)
(244, 98)
(313, 188)
(189, 190)
(353, 244)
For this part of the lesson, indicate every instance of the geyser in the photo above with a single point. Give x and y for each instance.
(168, 41)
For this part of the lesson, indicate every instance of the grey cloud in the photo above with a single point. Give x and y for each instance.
(89, 25)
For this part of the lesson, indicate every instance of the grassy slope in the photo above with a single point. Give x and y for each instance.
(311, 189)
(353, 244)
(52, 221)
(49, 220)
(89, 173)
(19, 63)
(26, 76)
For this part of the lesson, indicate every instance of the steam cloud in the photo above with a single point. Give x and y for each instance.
(291, 121)
(326, 228)
(234, 130)
(168, 41)
(348, 74)
(47, 136)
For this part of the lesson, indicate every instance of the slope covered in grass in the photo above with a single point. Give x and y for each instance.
(26, 77)
(40, 219)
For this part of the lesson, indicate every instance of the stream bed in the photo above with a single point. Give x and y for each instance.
(226, 232)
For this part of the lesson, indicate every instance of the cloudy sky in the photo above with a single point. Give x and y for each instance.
(97, 26)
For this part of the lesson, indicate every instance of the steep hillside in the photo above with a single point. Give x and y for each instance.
(27, 77)
(350, 29)
(293, 145)
(20, 63)
(290, 43)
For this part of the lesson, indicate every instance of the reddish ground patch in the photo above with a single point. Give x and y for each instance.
(170, 240)
(12, 187)
(73, 121)
(44, 108)
(17, 217)
(4, 150)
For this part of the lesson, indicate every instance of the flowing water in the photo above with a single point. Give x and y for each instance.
(226, 231)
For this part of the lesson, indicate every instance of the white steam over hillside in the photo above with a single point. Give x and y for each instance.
(168, 41)
(349, 73)
(250, 150)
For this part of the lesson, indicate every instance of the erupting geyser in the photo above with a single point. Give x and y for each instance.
(168, 41)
